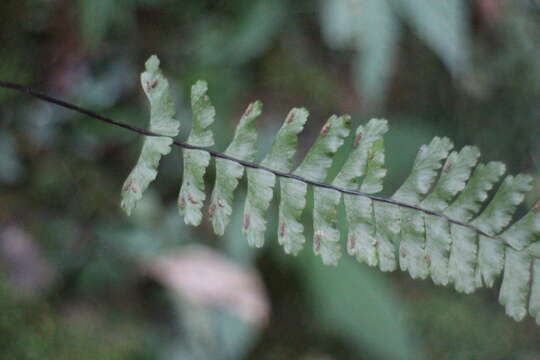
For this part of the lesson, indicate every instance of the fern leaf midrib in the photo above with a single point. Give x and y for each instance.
(249, 164)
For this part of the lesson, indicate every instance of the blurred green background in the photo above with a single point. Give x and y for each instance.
(79, 280)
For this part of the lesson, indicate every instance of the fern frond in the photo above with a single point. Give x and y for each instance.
(439, 223)
(436, 224)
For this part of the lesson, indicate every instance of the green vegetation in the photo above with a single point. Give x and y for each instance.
(123, 287)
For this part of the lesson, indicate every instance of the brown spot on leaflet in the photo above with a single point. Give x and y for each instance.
(403, 252)
(351, 241)
(357, 139)
(181, 202)
(248, 109)
(317, 240)
(325, 129)
(447, 165)
(151, 84)
(212, 209)
(191, 199)
(246, 222)
(289, 118)
(221, 203)
(281, 230)
(129, 185)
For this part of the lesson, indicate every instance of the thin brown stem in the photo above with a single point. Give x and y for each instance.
(47, 98)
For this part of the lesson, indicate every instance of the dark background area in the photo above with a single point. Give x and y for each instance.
(79, 279)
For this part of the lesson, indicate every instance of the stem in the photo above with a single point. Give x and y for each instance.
(47, 98)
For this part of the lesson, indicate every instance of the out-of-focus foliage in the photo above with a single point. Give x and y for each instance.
(10, 165)
(373, 28)
(382, 331)
(32, 330)
(71, 168)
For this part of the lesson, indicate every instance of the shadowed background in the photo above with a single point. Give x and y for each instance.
(78, 279)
